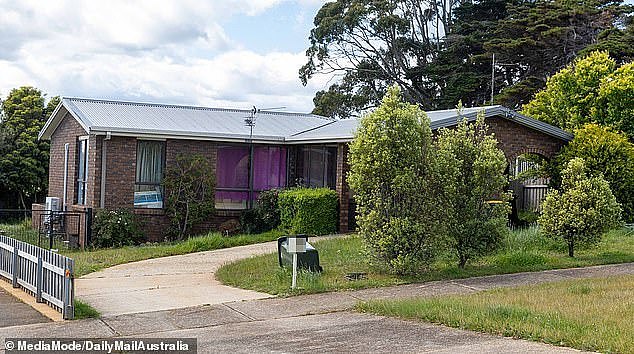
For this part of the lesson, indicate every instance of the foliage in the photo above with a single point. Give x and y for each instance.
(440, 53)
(392, 177)
(591, 90)
(23, 158)
(475, 208)
(583, 210)
(115, 228)
(265, 216)
(189, 185)
(605, 152)
(311, 211)
(83, 310)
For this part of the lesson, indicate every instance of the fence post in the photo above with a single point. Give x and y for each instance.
(16, 267)
(68, 311)
(88, 231)
(50, 229)
(40, 280)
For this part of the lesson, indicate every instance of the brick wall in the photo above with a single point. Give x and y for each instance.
(67, 132)
(120, 172)
(515, 139)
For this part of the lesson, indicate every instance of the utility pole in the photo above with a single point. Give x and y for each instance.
(492, 77)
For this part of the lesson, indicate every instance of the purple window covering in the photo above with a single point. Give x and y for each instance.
(232, 170)
(269, 167)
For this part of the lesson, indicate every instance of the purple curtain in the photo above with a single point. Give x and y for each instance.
(269, 167)
(232, 170)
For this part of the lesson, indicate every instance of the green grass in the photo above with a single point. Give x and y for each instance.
(83, 310)
(587, 314)
(89, 261)
(524, 250)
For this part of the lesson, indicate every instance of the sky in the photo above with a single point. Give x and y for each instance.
(216, 53)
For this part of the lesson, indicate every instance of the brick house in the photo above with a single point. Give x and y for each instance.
(112, 154)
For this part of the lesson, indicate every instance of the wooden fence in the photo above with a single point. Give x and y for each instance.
(42, 273)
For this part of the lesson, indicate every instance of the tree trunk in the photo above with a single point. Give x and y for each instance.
(571, 248)
(462, 262)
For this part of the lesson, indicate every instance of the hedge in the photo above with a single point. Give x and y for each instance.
(311, 211)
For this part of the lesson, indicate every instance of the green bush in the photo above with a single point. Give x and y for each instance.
(311, 211)
(116, 228)
(190, 183)
(392, 176)
(605, 152)
(583, 210)
(265, 216)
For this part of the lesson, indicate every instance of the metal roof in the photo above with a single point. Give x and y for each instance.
(142, 119)
(191, 122)
(343, 130)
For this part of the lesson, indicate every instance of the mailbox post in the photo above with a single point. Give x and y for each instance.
(296, 244)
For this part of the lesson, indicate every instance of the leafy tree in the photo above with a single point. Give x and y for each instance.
(583, 210)
(391, 176)
(475, 208)
(607, 153)
(373, 44)
(439, 52)
(591, 90)
(189, 184)
(24, 159)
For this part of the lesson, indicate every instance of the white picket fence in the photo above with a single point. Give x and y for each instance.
(44, 274)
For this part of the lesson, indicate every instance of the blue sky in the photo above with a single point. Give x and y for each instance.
(228, 53)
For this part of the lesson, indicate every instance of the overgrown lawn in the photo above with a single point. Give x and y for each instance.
(524, 250)
(587, 314)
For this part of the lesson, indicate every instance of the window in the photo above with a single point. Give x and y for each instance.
(82, 169)
(319, 166)
(238, 183)
(232, 177)
(148, 192)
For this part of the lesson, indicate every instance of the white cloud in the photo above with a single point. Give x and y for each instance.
(164, 51)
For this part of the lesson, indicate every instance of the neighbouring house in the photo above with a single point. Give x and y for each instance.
(112, 154)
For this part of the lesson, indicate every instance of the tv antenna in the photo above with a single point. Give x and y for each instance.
(249, 121)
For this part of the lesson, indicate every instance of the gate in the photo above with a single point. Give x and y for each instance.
(48, 229)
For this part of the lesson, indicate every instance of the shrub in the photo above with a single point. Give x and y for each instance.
(390, 173)
(310, 211)
(116, 228)
(607, 152)
(583, 210)
(189, 193)
(268, 209)
(265, 216)
(471, 201)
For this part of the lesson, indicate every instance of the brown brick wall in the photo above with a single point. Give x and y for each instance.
(515, 139)
(120, 172)
(67, 132)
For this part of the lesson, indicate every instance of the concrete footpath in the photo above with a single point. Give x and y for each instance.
(319, 322)
(15, 312)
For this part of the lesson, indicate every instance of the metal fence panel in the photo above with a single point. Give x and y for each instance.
(42, 273)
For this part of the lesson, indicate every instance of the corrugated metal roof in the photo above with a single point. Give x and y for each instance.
(191, 122)
(343, 130)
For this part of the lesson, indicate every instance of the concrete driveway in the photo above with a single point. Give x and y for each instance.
(167, 283)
